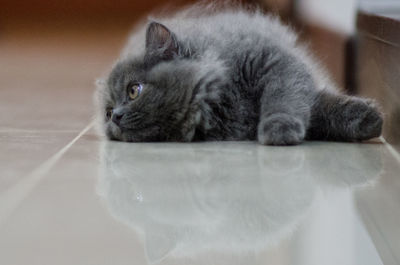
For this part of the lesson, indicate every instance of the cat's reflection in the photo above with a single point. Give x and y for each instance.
(227, 197)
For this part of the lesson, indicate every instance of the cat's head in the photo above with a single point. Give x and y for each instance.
(150, 97)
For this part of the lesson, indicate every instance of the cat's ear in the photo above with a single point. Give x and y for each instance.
(160, 42)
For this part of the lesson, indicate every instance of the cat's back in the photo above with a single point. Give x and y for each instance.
(205, 29)
(230, 27)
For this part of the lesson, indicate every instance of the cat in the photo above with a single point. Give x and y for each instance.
(206, 74)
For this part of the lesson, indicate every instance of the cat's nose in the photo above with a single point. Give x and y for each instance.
(116, 118)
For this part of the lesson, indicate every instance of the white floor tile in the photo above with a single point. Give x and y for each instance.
(204, 203)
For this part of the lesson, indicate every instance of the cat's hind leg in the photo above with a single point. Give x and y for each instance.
(344, 118)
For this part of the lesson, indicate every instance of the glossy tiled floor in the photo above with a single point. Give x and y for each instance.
(67, 197)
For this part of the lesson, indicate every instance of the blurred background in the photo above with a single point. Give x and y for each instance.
(101, 26)
(51, 48)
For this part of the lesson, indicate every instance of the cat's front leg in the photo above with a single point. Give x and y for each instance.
(285, 105)
(281, 129)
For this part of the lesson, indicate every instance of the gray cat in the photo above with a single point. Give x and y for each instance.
(226, 75)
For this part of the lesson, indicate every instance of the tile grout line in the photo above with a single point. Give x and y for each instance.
(12, 197)
(392, 151)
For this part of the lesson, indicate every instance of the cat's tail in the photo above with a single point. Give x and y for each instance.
(344, 118)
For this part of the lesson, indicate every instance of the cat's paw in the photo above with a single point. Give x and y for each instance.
(367, 120)
(281, 129)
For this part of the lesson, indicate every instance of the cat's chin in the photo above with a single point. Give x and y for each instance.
(113, 133)
(117, 134)
(123, 137)
(126, 137)
(149, 134)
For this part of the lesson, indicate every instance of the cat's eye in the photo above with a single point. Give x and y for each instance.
(109, 112)
(134, 90)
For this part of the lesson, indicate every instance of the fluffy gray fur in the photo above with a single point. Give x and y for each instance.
(227, 75)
